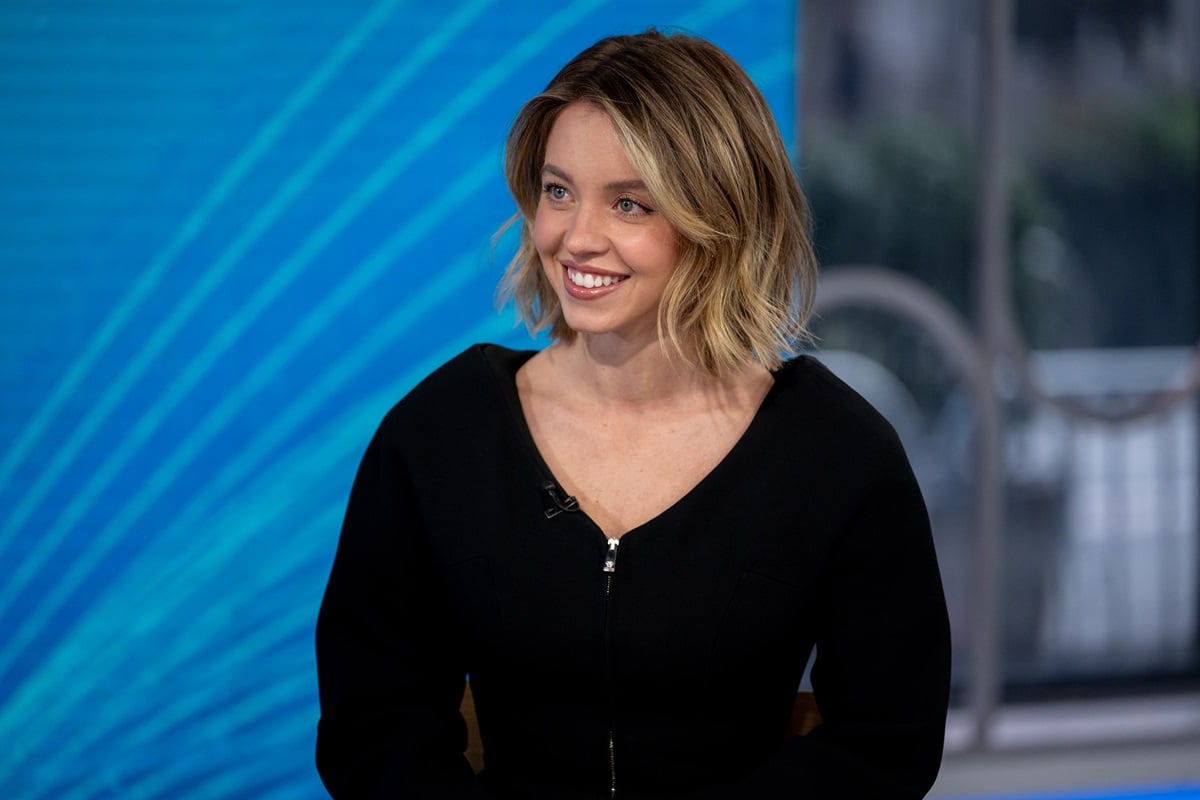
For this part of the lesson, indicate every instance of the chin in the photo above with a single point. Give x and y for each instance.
(586, 327)
(593, 327)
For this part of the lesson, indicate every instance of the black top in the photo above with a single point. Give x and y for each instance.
(676, 669)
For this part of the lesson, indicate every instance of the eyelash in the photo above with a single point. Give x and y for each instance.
(642, 208)
(549, 187)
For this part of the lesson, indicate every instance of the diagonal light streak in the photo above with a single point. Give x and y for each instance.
(232, 401)
(64, 684)
(162, 336)
(709, 13)
(180, 648)
(189, 709)
(203, 714)
(184, 775)
(778, 67)
(201, 434)
(186, 648)
(306, 473)
(267, 137)
(239, 472)
(274, 365)
(290, 779)
(220, 344)
(348, 365)
(285, 620)
(186, 708)
(196, 777)
(287, 613)
(147, 571)
(229, 333)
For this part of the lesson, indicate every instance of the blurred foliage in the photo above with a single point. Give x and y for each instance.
(1103, 218)
(1125, 184)
(904, 196)
(1055, 24)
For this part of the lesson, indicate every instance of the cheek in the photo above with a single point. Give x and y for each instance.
(545, 237)
(663, 249)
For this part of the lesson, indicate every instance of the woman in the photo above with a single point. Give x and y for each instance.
(632, 540)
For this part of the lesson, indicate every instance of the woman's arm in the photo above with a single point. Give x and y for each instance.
(882, 673)
(387, 656)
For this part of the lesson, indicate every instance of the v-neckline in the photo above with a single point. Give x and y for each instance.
(505, 371)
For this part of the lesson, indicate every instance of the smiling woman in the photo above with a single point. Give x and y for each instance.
(665, 504)
(605, 250)
(693, 133)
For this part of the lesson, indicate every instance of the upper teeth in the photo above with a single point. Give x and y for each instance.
(589, 281)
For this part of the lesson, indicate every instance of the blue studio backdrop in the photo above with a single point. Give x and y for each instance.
(232, 234)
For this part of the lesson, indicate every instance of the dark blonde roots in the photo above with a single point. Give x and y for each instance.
(701, 136)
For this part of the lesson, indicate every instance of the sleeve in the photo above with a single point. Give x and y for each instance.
(882, 672)
(389, 676)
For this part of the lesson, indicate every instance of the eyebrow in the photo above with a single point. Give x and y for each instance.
(635, 184)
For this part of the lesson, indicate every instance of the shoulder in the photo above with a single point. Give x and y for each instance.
(821, 414)
(479, 366)
(848, 457)
(812, 390)
(474, 381)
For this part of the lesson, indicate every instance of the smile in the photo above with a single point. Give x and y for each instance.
(588, 280)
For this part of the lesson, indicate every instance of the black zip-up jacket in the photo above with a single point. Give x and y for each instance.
(665, 666)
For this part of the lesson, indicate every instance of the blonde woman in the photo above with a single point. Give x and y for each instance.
(633, 539)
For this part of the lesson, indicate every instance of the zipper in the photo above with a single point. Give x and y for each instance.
(610, 567)
(610, 564)
(612, 767)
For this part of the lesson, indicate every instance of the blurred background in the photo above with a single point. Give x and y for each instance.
(232, 234)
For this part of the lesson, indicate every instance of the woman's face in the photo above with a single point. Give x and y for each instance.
(603, 245)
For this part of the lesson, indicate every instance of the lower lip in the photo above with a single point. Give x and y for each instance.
(584, 293)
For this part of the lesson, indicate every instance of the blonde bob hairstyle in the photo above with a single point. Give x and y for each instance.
(700, 134)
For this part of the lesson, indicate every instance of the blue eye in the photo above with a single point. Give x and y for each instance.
(555, 192)
(631, 207)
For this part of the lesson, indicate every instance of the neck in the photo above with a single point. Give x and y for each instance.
(620, 373)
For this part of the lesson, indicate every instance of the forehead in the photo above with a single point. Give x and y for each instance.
(583, 139)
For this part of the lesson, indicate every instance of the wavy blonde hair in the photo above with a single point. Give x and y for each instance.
(700, 134)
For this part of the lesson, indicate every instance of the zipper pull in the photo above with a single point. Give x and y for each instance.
(610, 558)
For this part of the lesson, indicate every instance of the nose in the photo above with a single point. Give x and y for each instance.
(586, 234)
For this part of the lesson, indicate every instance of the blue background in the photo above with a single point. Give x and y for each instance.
(232, 234)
